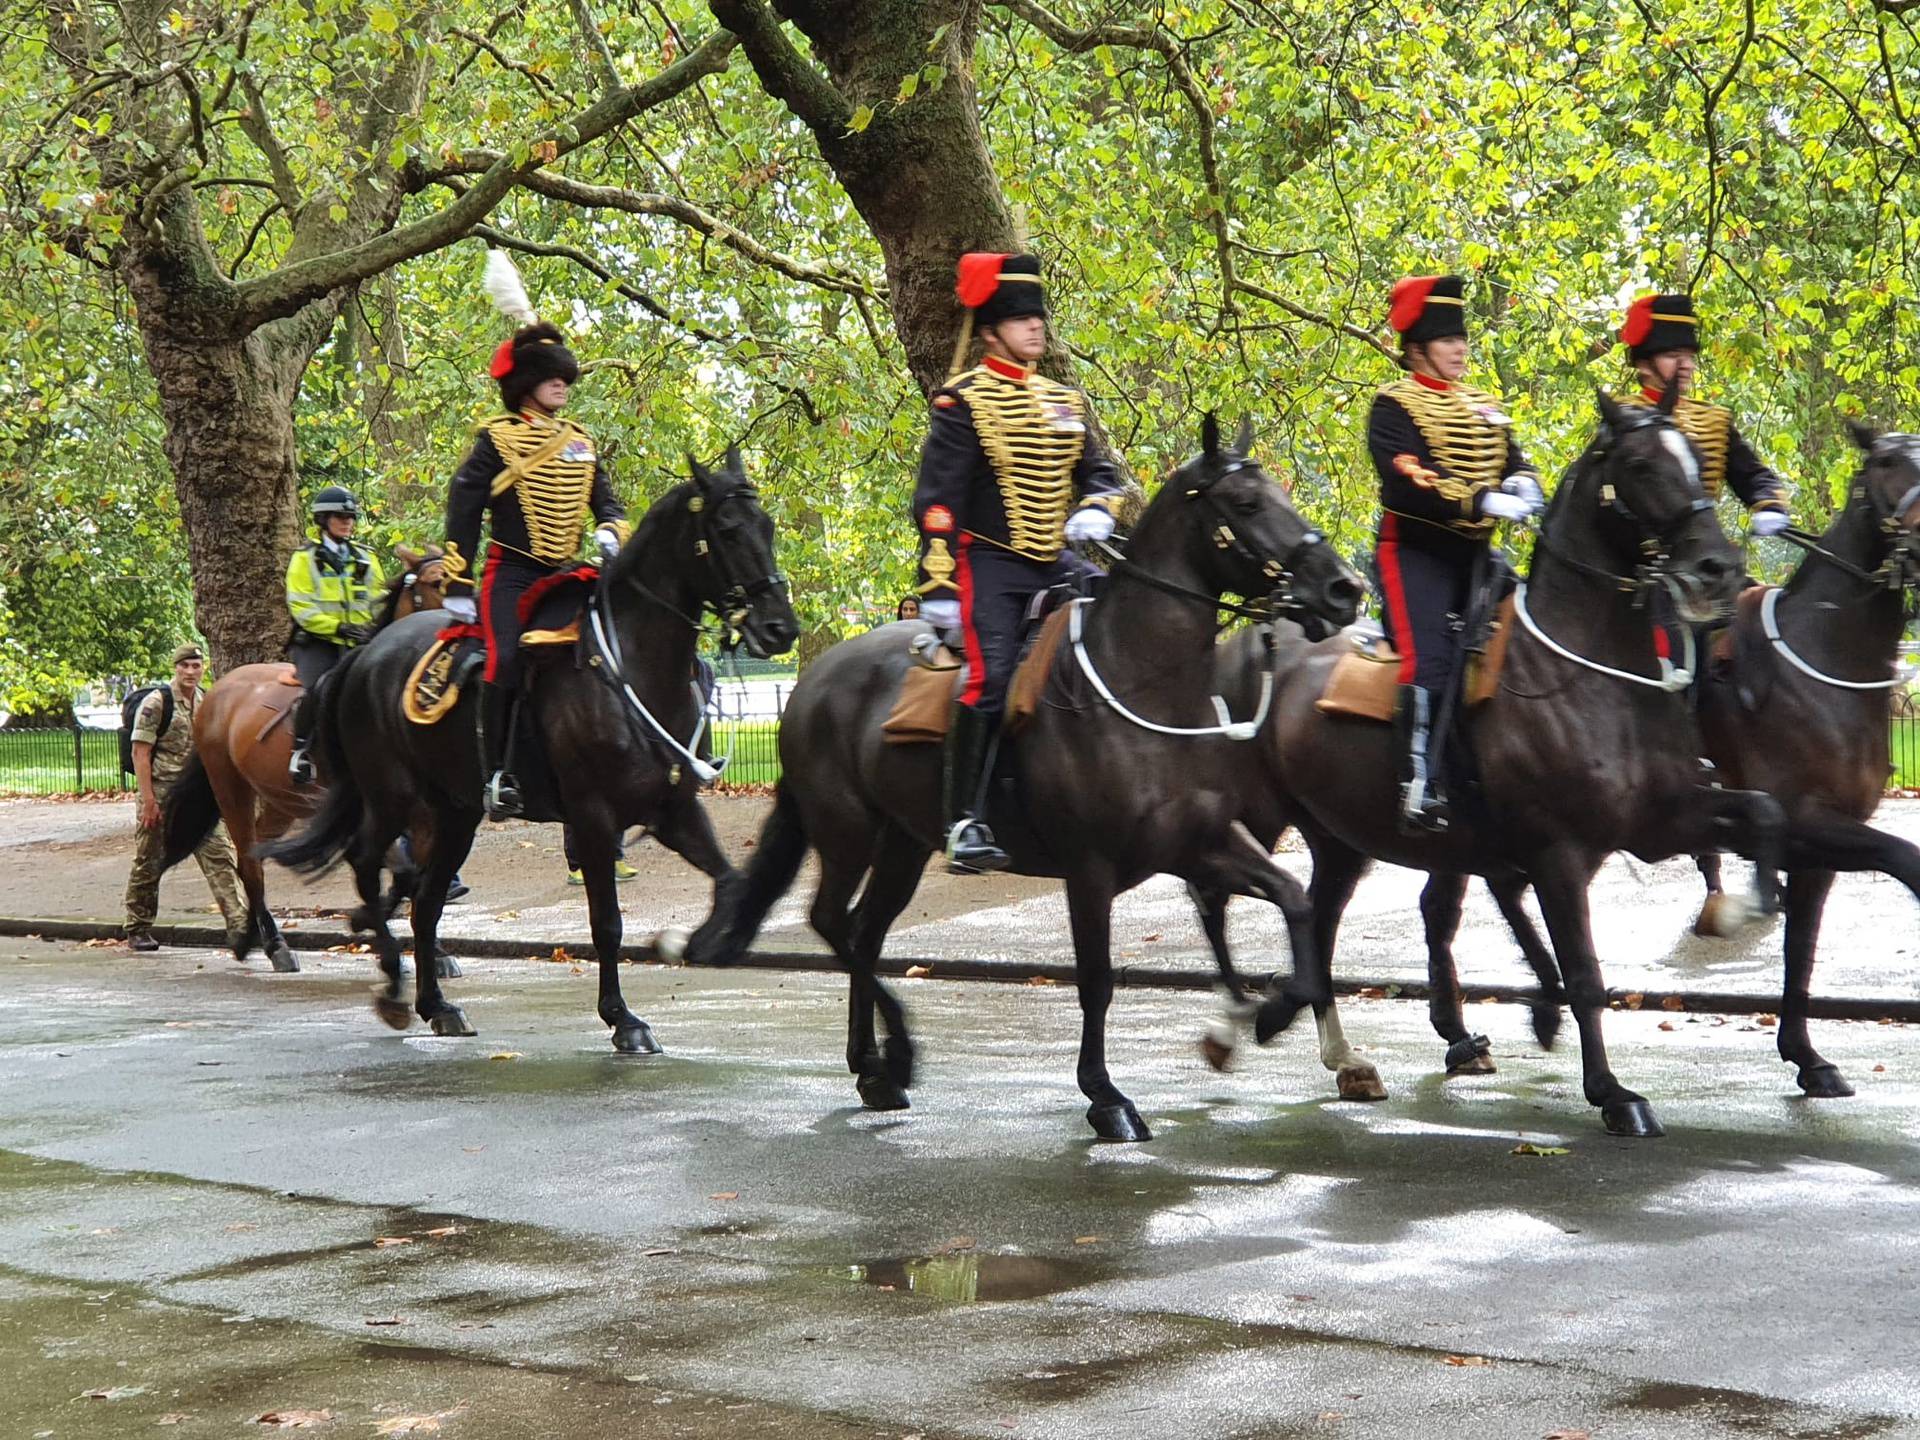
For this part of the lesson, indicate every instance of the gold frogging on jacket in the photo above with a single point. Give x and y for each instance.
(550, 468)
(1470, 450)
(1033, 435)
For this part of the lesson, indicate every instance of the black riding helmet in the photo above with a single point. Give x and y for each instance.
(335, 500)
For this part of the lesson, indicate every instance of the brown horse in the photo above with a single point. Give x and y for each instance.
(242, 741)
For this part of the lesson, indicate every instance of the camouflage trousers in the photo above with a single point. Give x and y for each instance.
(216, 863)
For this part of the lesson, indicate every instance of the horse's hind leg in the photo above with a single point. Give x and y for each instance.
(1507, 891)
(1440, 905)
(452, 839)
(272, 824)
(886, 1072)
(368, 858)
(1223, 1031)
(833, 919)
(1337, 870)
(1090, 908)
(1806, 901)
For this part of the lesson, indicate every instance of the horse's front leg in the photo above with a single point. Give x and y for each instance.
(1560, 878)
(687, 830)
(1440, 903)
(1751, 823)
(452, 840)
(1090, 910)
(1222, 1036)
(596, 842)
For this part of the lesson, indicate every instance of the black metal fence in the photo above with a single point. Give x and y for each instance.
(64, 760)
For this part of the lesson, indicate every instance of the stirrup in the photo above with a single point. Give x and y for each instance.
(502, 797)
(300, 765)
(977, 856)
(1421, 812)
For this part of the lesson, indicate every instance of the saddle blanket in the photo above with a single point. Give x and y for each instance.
(930, 687)
(1365, 684)
(435, 685)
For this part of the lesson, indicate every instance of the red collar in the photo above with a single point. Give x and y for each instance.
(1007, 369)
(1431, 383)
(1651, 394)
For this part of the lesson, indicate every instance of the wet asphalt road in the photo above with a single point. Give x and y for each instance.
(197, 1165)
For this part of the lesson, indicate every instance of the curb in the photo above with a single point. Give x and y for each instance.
(1002, 972)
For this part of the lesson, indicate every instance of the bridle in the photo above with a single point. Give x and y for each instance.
(1899, 569)
(1654, 572)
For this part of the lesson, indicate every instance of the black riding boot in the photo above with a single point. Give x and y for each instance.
(1422, 806)
(970, 845)
(501, 793)
(300, 763)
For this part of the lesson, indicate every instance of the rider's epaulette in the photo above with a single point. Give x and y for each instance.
(950, 394)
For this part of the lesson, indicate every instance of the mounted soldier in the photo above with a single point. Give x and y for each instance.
(1662, 336)
(1449, 470)
(333, 588)
(1009, 478)
(535, 477)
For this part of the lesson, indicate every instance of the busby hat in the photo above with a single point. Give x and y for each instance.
(1656, 324)
(537, 351)
(1000, 287)
(1428, 307)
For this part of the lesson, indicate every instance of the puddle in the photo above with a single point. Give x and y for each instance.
(973, 1278)
(1757, 1414)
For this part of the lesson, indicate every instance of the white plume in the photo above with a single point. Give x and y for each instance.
(503, 287)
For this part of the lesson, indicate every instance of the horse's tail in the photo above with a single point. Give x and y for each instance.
(319, 845)
(188, 813)
(740, 907)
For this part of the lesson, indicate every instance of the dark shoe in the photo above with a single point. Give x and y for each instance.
(1423, 809)
(143, 942)
(970, 844)
(458, 890)
(502, 797)
(300, 764)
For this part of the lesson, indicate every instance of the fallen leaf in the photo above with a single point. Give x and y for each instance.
(474, 1325)
(508, 915)
(1086, 1239)
(1568, 1435)
(560, 956)
(1302, 1299)
(173, 1417)
(1371, 992)
(1666, 1025)
(919, 972)
(1041, 980)
(1149, 939)
(505, 1055)
(384, 1241)
(293, 1419)
(954, 1246)
(1468, 1360)
(1634, 999)
(1527, 1147)
(409, 1425)
(114, 1392)
(385, 1320)
(106, 1230)
(240, 1225)
(1674, 1002)
(725, 1195)
(1764, 1021)
(658, 1250)
(473, 1149)
(440, 1232)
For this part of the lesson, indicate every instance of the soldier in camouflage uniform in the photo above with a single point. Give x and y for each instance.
(159, 755)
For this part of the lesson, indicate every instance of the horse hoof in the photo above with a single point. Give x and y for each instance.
(1469, 1056)
(1119, 1123)
(877, 1092)
(393, 1012)
(1216, 1051)
(1273, 1016)
(1359, 1082)
(284, 960)
(1721, 917)
(453, 1021)
(636, 1040)
(1824, 1082)
(1632, 1118)
(446, 967)
(671, 944)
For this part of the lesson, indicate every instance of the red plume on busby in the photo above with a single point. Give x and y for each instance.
(1658, 323)
(979, 277)
(1428, 307)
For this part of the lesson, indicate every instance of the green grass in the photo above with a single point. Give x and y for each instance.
(756, 751)
(41, 762)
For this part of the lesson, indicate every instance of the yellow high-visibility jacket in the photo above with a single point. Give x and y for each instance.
(324, 593)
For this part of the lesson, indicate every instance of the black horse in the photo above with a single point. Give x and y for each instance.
(1126, 769)
(1583, 751)
(599, 710)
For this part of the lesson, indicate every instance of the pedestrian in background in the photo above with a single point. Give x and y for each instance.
(162, 746)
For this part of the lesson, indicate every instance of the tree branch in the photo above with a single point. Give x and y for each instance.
(255, 125)
(1315, 317)
(602, 53)
(784, 72)
(287, 289)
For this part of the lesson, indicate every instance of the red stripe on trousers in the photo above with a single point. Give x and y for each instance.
(1387, 553)
(486, 619)
(976, 658)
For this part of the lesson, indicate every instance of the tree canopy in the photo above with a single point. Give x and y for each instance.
(1221, 192)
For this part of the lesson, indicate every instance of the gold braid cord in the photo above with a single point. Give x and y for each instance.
(1469, 451)
(1033, 435)
(1710, 428)
(551, 480)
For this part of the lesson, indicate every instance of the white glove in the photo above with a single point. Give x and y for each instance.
(460, 609)
(607, 540)
(941, 614)
(1496, 506)
(1089, 522)
(1525, 486)
(1769, 522)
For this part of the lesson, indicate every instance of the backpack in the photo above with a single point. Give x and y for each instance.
(130, 709)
